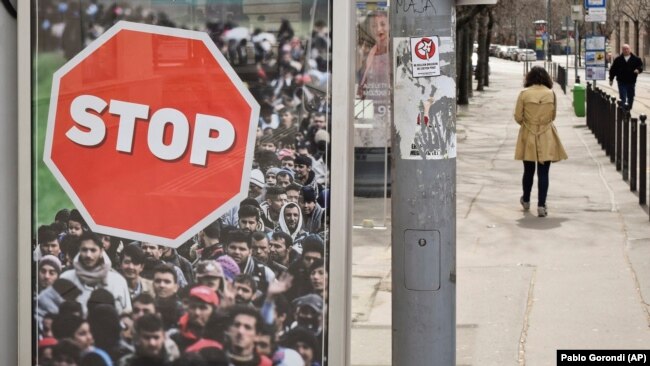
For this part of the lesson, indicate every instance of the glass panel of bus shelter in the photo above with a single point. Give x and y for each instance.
(180, 168)
(372, 115)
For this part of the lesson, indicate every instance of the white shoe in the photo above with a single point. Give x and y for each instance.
(541, 211)
(525, 205)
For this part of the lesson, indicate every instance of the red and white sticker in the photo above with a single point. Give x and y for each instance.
(425, 56)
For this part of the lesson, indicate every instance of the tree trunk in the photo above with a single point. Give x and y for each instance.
(482, 39)
(471, 32)
(463, 97)
(637, 30)
(488, 42)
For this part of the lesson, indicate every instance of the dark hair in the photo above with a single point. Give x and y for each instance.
(239, 236)
(148, 323)
(75, 216)
(247, 279)
(135, 253)
(538, 76)
(283, 173)
(66, 349)
(70, 307)
(143, 298)
(288, 241)
(275, 192)
(66, 289)
(216, 326)
(318, 263)
(165, 268)
(89, 235)
(104, 325)
(258, 235)
(250, 202)
(213, 230)
(236, 310)
(62, 215)
(300, 334)
(293, 187)
(313, 243)
(288, 157)
(46, 234)
(70, 245)
(65, 325)
(248, 211)
(100, 296)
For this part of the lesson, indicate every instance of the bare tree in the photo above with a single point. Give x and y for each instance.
(638, 12)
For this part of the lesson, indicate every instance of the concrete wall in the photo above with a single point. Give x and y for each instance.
(8, 189)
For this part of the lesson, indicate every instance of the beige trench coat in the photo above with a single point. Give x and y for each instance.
(538, 139)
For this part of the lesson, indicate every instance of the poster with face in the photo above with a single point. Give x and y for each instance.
(180, 182)
(372, 112)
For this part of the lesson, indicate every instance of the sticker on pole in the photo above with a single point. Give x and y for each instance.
(425, 56)
(151, 133)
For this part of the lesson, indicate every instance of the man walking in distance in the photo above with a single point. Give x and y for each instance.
(625, 68)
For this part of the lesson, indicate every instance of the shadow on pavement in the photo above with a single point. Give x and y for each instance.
(531, 221)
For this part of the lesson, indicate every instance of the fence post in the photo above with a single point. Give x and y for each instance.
(619, 135)
(611, 127)
(626, 143)
(643, 159)
(633, 153)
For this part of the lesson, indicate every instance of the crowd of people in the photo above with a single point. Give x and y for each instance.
(249, 289)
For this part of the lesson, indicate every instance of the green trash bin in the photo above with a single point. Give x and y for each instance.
(579, 99)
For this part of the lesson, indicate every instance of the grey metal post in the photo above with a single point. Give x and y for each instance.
(424, 189)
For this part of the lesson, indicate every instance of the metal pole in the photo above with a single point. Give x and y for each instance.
(643, 159)
(424, 186)
(548, 30)
(567, 48)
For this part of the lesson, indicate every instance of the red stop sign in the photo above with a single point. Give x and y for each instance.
(151, 133)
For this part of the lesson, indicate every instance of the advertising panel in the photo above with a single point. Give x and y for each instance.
(595, 61)
(181, 182)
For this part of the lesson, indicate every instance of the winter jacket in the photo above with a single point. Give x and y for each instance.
(312, 223)
(538, 139)
(624, 70)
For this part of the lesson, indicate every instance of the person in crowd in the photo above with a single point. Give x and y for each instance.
(201, 304)
(288, 162)
(75, 329)
(153, 257)
(76, 224)
(305, 343)
(276, 197)
(104, 324)
(131, 266)
(167, 301)
(245, 289)
(312, 212)
(92, 270)
(143, 304)
(281, 249)
(170, 255)
(309, 313)
(291, 223)
(538, 144)
(261, 252)
(312, 249)
(250, 219)
(319, 278)
(52, 298)
(284, 178)
(256, 185)
(626, 68)
(239, 248)
(209, 245)
(70, 248)
(66, 353)
(49, 269)
(245, 325)
(267, 345)
(48, 243)
(210, 273)
(150, 345)
(293, 192)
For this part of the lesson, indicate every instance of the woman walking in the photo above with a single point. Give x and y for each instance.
(538, 144)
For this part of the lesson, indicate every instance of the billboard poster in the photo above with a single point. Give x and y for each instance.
(372, 100)
(180, 182)
(595, 61)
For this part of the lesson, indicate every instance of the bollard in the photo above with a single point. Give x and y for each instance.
(643, 159)
(626, 143)
(597, 98)
(611, 131)
(619, 135)
(633, 151)
(590, 105)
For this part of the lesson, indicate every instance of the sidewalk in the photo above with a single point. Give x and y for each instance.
(527, 286)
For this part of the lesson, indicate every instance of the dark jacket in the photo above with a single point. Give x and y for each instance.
(624, 70)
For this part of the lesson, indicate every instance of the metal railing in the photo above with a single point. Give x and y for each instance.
(559, 75)
(624, 138)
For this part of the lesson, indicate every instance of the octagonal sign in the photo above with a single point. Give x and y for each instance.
(151, 133)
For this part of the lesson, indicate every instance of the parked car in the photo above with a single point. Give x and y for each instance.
(502, 51)
(512, 51)
(527, 55)
(494, 50)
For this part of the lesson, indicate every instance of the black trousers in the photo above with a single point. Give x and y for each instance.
(542, 180)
